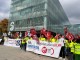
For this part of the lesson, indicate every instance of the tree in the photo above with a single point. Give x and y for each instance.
(4, 25)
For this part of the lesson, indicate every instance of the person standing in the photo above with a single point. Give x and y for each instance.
(24, 42)
(71, 53)
(42, 38)
(53, 39)
(62, 52)
(25, 39)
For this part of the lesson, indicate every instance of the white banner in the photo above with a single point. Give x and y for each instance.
(44, 48)
(31, 45)
(12, 42)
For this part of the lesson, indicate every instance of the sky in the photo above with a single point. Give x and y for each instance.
(71, 8)
(4, 8)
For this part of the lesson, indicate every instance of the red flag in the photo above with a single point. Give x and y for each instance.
(48, 35)
(69, 36)
(57, 36)
(43, 31)
(33, 32)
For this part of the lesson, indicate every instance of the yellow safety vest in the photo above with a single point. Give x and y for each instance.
(72, 49)
(66, 43)
(71, 45)
(23, 41)
(53, 40)
(26, 38)
(77, 49)
(42, 39)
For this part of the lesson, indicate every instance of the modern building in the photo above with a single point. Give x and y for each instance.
(75, 28)
(26, 14)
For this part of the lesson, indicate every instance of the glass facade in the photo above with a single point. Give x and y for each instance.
(38, 14)
(24, 9)
(75, 29)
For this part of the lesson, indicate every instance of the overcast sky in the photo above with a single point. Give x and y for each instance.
(4, 8)
(71, 8)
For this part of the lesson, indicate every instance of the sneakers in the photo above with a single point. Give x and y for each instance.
(60, 57)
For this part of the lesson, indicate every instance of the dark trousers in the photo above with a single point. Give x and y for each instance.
(71, 56)
(23, 46)
(62, 52)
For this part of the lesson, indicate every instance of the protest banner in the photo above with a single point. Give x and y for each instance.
(44, 48)
(12, 42)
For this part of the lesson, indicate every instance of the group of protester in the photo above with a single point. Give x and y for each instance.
(68, 39)
(67, 48)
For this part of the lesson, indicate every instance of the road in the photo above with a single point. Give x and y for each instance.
(10, 53)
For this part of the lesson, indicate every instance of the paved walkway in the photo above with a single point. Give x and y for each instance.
(10, 53)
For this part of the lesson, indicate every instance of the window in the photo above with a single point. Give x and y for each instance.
(39, 7)
(26, 11)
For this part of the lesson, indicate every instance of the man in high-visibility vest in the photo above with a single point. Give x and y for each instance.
(71, 53)
(42, 38)
(24, 42)
(53, 39)
(77, 48)
(26, 39)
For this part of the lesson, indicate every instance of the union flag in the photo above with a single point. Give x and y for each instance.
(69, 36)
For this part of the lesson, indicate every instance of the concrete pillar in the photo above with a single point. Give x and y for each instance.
(45, 22)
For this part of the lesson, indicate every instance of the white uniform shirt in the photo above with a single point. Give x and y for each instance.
(61, 40)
